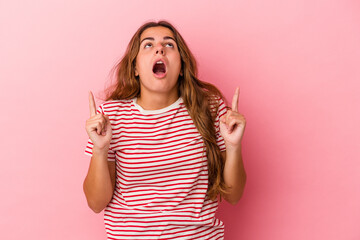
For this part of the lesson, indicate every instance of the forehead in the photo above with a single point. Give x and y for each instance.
(156, 32)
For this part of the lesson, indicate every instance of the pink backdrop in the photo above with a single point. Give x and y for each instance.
(297, 65)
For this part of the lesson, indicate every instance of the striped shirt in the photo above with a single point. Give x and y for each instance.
(161, 173)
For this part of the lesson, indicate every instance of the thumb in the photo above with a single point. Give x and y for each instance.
(222, 119)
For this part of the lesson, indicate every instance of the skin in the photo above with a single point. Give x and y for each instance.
(232, 127)
(99, 183)
(157, 93)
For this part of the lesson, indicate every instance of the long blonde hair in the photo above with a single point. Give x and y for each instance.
(196, 95)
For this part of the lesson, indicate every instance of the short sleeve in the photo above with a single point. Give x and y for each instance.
(222, 109)
(89, 146)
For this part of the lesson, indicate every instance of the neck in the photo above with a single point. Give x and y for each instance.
(157, 101)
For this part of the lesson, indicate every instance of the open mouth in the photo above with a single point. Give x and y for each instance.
(159, 69)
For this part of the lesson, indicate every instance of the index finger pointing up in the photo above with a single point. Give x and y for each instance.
(92, 105)
(235, 100)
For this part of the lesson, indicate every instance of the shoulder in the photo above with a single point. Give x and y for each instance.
(112, 106)
(216, 103)
(215, 100)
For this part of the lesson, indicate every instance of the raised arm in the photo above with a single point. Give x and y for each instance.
(232, 126)
(99, 183)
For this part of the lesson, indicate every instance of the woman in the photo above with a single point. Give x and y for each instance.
(164, 147)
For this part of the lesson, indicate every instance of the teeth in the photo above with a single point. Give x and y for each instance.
(159, 62)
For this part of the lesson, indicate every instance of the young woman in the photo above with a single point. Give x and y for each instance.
(164, 148)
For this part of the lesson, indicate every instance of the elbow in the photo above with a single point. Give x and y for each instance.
(94, 203)
(96, 208)
(236, 199)
(233, 199)
(97, 211)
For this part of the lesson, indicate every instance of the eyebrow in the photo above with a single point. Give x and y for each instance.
(153, 39)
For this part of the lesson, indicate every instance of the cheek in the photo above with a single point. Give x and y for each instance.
(140, 65)
(177, 62)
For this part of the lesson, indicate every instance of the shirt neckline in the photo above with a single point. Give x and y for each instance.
(157, 111)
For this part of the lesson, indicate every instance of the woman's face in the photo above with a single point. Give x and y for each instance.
(158, 62)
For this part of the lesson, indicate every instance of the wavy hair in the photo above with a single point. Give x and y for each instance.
(196, 95)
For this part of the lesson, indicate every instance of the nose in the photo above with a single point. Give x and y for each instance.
(160, 49)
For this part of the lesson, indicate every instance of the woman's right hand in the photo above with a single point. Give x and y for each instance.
(98, 127)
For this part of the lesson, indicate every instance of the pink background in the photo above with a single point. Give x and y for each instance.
(297, 65)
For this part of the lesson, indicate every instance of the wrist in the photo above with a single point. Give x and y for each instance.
(233, 148)
(100, 150)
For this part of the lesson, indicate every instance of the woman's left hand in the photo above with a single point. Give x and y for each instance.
(232, 124)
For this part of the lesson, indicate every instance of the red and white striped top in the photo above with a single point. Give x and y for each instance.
(161, 174)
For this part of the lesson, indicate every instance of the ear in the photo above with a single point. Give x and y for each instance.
(136, 73)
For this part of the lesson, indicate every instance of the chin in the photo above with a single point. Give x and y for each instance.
(159, 88)
(161, 85)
